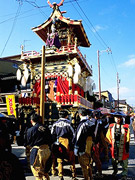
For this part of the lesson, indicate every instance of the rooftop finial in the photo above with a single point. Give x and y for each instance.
(55, 4)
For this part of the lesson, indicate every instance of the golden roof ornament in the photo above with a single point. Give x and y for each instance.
(54, 5)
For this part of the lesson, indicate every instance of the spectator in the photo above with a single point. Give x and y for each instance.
(3, 125)
(10, 167)
(118, 136)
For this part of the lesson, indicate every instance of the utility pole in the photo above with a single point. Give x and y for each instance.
(99, 81)
(99, 77)
(118, 82)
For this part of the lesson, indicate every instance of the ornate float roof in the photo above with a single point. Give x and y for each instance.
(79, 31)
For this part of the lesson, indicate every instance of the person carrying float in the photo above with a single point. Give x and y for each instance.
(39, 138)
(83, 143)
(62, 134)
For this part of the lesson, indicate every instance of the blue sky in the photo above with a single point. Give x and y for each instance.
(108, 23)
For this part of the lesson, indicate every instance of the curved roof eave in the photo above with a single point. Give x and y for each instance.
(39, 30)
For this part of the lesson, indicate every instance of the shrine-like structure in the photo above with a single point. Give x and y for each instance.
(67, 73)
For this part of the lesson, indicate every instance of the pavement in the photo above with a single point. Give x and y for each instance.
(19, 151)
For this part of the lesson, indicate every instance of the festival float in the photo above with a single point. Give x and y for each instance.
(65, 76)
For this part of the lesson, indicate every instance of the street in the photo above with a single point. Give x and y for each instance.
(19, 151)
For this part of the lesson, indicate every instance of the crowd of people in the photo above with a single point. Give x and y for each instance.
(95, 134)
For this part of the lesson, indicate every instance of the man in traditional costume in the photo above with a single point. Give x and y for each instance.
(95, 118)
(39, 138)
(100, 132)
(83, 143)
(118, 135)
(62, 132)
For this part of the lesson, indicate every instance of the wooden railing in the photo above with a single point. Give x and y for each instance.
(72, 100)
(27, 54)
(62, 50)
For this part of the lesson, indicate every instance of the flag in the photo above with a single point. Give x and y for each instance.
(11, 107)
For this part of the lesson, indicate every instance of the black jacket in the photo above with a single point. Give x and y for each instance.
(38, 135)
(85, 128)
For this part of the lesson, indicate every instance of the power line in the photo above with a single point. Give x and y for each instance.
(39, 7)
(35, 5)
(96, 75)
(87, 25)
(13, 26)
(14, 17)
(31, 3)
(113, 62)
(101, 39)
(92, 25)
(96, 32)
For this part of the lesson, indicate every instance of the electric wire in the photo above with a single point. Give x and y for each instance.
(39, 7)
(14, 17)
(36, 6)
(113, 62)
(13, 26)
(17, 15)
(105, 45)
(31, 3)
(88, 25)
(95, 36)
(96, 33)
(92, 25)
(104, 71)
(101, 39)
(46, 6)
(96, 75)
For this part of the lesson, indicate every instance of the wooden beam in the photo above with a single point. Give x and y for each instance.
(42, 93)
